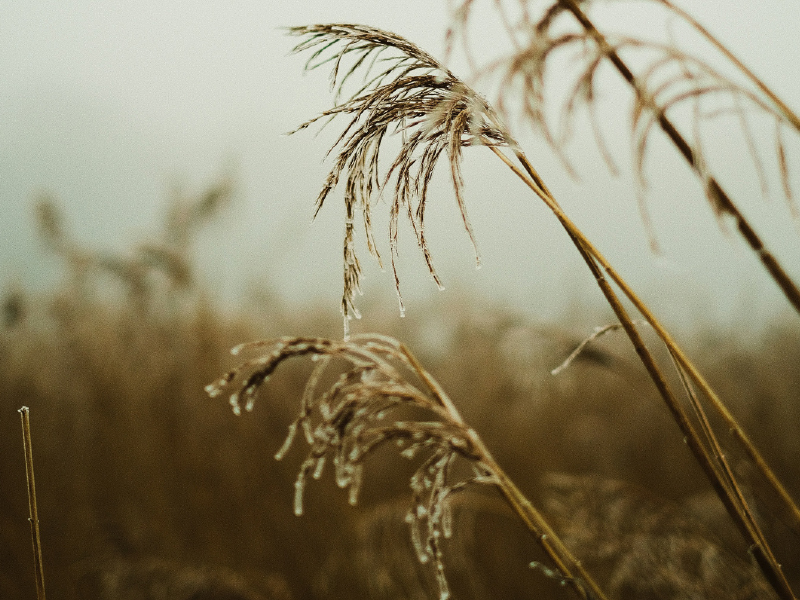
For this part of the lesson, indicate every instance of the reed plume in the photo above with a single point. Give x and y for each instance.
(407, 92)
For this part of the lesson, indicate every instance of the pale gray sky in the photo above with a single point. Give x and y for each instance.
(107, 104)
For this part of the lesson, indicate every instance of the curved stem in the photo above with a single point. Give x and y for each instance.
(567, 564)
(731, 497)
(548, 539)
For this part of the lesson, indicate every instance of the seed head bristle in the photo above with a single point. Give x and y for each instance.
(407, 92)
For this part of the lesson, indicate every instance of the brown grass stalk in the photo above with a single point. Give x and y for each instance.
(411, 93)
(24, 414)
(708, 454)
(536, 184)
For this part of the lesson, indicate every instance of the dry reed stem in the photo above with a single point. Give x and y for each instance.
(538, 187)
(354, 417)
(709, 460)
(24, 414)
(658, 88)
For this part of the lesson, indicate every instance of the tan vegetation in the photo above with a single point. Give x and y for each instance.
(525, 477)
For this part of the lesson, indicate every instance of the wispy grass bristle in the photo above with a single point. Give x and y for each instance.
(406, 93)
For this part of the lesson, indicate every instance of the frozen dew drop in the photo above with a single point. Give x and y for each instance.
(299, 485)
(234, 402)
(238, 349)
(447, 521)
(287, 443)
(409, 452)
(318, 468)
(213, 390)
(355, 485)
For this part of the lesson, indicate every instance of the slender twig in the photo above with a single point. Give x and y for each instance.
(24, 414)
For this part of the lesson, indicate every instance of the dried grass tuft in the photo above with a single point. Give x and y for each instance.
(405, 92)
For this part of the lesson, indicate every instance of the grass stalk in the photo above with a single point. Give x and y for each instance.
(790, 116)
(438, 113)
(537, 185)
(722, 481)
(24, 413)
(570, 567)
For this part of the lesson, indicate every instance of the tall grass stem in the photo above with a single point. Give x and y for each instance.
(709, 460)
(24, 414)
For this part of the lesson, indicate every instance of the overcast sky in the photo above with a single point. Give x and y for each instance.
(107, 105)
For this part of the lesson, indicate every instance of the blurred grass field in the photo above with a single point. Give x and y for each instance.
(148, 489)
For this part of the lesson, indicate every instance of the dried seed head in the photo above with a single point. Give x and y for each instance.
(407, 92)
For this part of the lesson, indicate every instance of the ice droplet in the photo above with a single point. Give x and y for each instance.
(287, 443)
(409, 452)
(318, 468)
(298, 495)
(237, 349)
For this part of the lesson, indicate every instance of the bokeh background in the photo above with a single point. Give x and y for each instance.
(111, 107)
